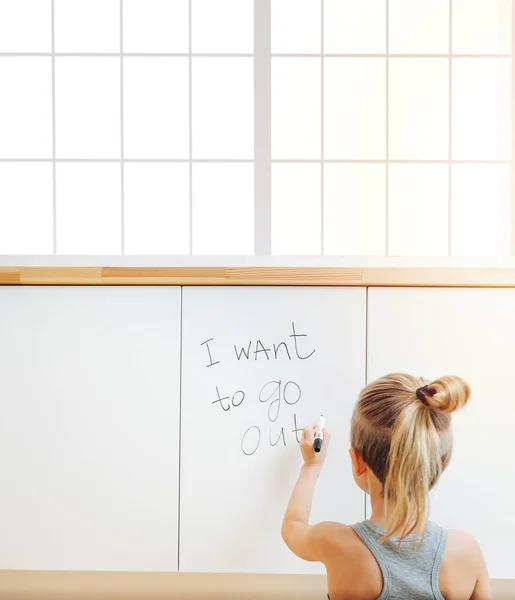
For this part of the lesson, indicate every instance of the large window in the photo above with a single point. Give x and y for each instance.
(237, 127)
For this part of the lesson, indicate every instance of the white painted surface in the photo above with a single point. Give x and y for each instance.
(163, 260)
(434, 332)
(89, 410)
(232, 504)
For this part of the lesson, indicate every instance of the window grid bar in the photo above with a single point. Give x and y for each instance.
(387, 131)
(391, 161)
(250, 160)
(379, 55)
(238, 55)
(122, 137)
(131, 54)
(322, 125)
(54, 168)
(262, 128)
(449, 179)
(190, 125)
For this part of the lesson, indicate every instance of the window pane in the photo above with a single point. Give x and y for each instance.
(87, 25)
(355, 108)
(155, 26)
(26, 107)
(481, 26)
(296, 209)
(354, 209)
(25, 26)
(157, 208)
(26, 208)
(223, 108)
(481, 109)
(156, 107)
(87, 100)
(355, 26)
(223, 209)
(296, 115)
(89, 208)
(419, 108)
(222, 26)
(296, 26)
(418, 210)
(419, 26)
(481, 212)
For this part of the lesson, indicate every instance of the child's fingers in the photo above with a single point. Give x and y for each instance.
(308, 433)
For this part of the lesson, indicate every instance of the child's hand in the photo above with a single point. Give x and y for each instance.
(312, 458)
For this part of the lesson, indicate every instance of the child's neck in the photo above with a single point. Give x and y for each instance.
(378, 514)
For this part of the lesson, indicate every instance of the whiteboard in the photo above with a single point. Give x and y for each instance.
(237, 469)
(89, 423)
(471, 333)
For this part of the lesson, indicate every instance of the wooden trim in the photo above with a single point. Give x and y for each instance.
(10, 275)
(84, 585)
(299, 276)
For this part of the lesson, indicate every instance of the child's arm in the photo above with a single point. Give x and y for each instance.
(303, 539)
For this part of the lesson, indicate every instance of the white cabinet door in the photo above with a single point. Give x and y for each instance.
(471, 333)
(89, 427)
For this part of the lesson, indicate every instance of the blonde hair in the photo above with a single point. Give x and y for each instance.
(401, 427)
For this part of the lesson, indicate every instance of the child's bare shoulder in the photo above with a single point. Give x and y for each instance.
(462, 549)
(339, 536)
(462, 542)
(463, 572)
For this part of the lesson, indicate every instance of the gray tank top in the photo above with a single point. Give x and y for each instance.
(407, 574)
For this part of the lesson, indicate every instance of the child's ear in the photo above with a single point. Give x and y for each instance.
(358, 464)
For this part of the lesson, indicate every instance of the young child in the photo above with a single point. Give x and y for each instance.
(401, 442)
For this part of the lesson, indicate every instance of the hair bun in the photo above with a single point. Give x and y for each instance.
(447, 394)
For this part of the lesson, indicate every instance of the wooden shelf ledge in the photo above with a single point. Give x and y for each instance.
(297, 276)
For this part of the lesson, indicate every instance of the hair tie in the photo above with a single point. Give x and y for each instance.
(422, 394)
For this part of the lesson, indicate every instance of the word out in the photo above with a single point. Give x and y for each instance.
(252, 437)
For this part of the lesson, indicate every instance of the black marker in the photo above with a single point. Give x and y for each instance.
(319, 437)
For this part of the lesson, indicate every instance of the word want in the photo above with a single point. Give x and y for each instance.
(257, 349)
